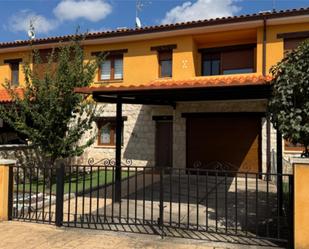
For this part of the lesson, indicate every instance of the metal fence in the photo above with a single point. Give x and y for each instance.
(165, 201)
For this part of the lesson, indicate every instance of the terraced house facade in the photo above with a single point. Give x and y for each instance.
(189, 94)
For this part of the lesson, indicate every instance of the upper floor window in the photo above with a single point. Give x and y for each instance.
(14, 67)
(292, 43)
(165, 63)
(112, 68)
(292, 40)
(165, 59)
(228, 60)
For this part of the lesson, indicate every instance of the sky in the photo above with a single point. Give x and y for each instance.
(62, 17)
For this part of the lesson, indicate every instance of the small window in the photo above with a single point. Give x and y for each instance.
(14, 73)
(111, 68)
(165, 63)
(107, 132)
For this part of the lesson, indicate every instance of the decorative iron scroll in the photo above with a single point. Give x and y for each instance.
(109, 162)
(217, 165)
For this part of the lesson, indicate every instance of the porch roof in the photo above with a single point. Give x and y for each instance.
(5, 97)
(168, 91)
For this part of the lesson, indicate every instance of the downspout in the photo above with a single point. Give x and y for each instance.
(268, 126)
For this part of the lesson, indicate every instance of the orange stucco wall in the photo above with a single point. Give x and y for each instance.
(301, 206)
(141, 64)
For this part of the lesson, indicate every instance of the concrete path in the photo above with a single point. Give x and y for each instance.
(22, 235)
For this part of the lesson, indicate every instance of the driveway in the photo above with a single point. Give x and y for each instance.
(17, 235)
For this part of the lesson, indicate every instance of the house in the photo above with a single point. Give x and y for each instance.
(188, 94)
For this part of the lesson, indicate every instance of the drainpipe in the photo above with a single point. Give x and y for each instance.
(268, 126)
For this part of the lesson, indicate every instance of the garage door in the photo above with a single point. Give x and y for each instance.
(229, 142)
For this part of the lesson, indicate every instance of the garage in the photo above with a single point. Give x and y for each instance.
(229, 141)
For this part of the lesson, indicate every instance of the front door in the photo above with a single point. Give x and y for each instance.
(164, 143)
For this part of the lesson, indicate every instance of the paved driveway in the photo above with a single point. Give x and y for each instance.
(22, 235)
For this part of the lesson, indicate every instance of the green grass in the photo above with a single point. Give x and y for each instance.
(76, 182)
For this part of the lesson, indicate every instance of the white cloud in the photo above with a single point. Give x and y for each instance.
(21, 22)
(201, 9)
(92, 10)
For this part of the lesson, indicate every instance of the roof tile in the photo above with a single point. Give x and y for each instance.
(208, 81)
(5, 96)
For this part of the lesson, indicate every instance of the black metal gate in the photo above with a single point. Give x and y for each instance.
(193, 203)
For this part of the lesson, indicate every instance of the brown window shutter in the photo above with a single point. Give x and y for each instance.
(165, 56)
(292, 43)
(237, 59)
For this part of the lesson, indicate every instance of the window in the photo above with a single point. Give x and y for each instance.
(292, 43)
(211, 64)
(14, 67)
(228, 60)
(112, 68)
(14, 73)
(165, 63)
(107, 131)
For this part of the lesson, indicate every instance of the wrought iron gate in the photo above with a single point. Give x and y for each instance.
(165, 201)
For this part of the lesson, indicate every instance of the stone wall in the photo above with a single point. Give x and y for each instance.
(139, 130)
(23, 154)
(138, 140)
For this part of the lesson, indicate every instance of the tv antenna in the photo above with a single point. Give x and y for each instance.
(274, 4)
(140, 4)
(31, 31)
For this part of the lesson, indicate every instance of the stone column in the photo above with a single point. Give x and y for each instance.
(6, 188)
(301, 202)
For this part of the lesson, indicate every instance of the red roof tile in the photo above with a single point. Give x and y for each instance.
(166, 27)
(5, 96)
(199, 82)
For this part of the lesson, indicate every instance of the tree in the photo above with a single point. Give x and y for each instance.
(289, 104)
(49, 113)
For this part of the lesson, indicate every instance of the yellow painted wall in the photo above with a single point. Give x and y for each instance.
(5, 71)
(301, 206)
(141, 64)
(274, 46)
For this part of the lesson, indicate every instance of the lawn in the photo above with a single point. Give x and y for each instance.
(97, 178)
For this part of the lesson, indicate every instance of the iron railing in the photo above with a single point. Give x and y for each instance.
(165, 201)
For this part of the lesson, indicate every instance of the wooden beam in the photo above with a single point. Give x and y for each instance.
(164, 47)
(110, 52)
(291, 35)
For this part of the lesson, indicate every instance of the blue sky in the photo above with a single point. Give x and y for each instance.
(60, 17)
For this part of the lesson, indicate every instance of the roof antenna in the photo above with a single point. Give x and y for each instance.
(31, 31)
(140, 4)
(274, 5)
(138, 9)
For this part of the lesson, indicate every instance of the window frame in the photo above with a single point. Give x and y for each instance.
(112, 59)
(160, 60)
(100, 122)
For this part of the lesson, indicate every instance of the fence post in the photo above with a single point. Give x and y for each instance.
(60, 171)
(161, 203)
(6, 189)
(301, 202)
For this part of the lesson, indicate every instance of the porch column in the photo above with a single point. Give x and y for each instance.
(117, 197)
(279, 171)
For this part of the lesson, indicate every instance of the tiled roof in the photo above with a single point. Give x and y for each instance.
(199, 82)
(5, 96)
(166, 27)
